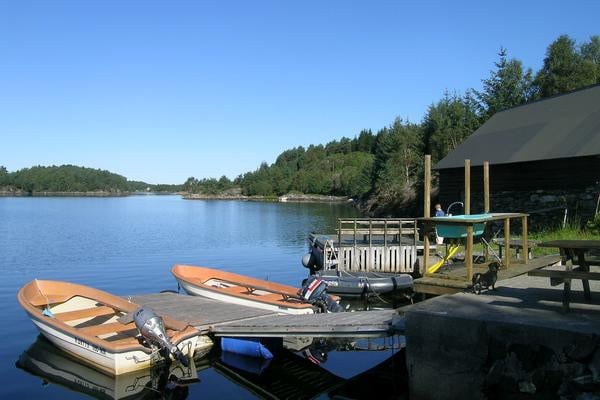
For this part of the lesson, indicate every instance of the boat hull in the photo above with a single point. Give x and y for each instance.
(196, 290)
(109, 362)
(358, 284)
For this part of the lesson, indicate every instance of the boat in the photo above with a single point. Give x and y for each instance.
(54, 366)
(362, 283)
(246, 291)
(105, 331)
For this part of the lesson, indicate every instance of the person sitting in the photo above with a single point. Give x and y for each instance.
(438, 210)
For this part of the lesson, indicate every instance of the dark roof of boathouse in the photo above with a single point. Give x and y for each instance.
(562, 126)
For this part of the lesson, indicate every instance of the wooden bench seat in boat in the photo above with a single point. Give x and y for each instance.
(271, 297)
(103, 329)
(233, 289)
(84, 313)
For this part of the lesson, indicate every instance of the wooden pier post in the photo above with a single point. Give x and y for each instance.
(525, 240)
(486, 199)
(469, 253)
(467, 187)
(506, 242)
(426, 211)
(486, 187)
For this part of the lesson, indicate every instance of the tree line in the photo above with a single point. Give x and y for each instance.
(383, 169)
(71, 178)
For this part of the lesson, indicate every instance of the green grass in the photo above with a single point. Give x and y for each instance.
(569, 232)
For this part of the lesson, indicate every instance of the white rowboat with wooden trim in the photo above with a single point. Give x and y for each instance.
(239, 289)
(87, 323)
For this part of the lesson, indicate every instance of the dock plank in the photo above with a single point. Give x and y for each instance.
(197, 311)
(349, 324)
(451, 279)
(224, 319)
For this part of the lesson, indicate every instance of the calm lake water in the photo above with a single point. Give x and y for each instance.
(128, 246)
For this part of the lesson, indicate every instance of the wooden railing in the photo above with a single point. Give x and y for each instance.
(377, 245)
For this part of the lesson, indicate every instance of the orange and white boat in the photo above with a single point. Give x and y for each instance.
(243, 290)
(98, 328)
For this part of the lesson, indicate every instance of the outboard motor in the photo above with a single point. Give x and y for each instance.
(152, 328)
(308, 261)
(313, 260)
(314, 290)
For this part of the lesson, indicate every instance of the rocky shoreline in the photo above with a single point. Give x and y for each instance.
(288, 198)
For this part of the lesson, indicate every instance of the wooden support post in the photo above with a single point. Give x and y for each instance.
(506, 242)
(339, 235)
(469, 253)
(467, 187)
(426, 211)
(385, 233)
(486, 200)
(486, 187)
(525, 240)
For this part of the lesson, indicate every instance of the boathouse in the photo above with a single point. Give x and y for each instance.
(544, 158)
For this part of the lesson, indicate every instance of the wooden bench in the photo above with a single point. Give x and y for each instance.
(84, 313)
(516, 244)
(113, 327)
(559, 276)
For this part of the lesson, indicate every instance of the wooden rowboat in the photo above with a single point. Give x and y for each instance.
(240, 289)
(93, 326)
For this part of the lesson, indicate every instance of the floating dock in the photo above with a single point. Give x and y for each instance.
(368, 245)
(223, 319)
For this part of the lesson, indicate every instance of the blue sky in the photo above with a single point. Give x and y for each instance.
(160, 91)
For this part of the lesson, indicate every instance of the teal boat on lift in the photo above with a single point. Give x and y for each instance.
(455, 231)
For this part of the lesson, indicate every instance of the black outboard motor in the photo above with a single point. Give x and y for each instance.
(313, 260)
(314, 290)
(152, 328)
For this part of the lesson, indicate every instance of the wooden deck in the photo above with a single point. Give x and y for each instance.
(450, 279)
(224, 319)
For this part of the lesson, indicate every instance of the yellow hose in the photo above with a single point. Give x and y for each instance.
(452, 250)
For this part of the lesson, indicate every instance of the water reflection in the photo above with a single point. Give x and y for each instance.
(44, 360)
(298, 371)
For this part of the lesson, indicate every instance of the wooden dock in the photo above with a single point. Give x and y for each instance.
(224, 319)
(450, 279)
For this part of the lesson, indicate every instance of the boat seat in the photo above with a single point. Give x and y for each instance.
(103, 329)
(128, 341)
(234, 289)
(271, 297)
(84, 313)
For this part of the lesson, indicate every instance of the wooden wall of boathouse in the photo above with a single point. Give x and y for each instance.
(573, 183)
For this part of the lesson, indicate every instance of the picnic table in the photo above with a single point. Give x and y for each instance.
(573, 257)
(516, 244)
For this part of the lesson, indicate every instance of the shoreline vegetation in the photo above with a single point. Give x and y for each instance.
(99, 193)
